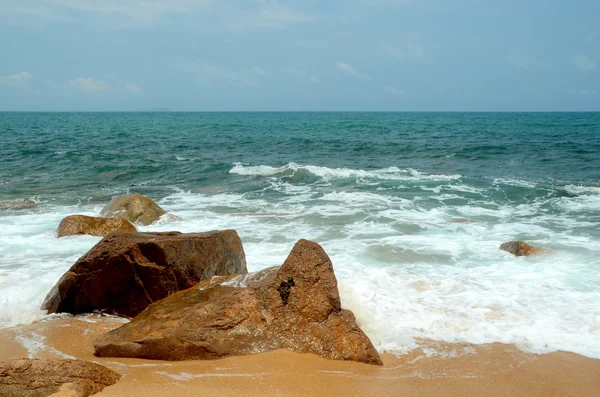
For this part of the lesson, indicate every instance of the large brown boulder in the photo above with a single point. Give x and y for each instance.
(125, 272)
(295, 307)
(520, 248)
(81, 224)
(40, 378)
(134, 208)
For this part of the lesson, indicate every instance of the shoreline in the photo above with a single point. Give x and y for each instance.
(448, 369)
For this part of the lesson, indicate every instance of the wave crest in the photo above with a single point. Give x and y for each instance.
(326, 173)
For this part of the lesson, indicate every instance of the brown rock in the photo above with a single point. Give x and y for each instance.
(463, 220)
(39, 378)
(125, 272)
(17, 204)
(81, 224)
(134, 208)
(520, 248)
(295, 307)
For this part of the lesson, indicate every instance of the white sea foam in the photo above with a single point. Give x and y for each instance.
(582, 189)
(32, 260)
(34, 343)
(407, 271)
(404, 268)
(513, 182)
(186, 376)
(243, 280)
(181, 158)
(391, 173)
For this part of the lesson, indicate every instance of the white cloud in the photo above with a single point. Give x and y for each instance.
(344, 67)
(582, 62)
(90, 85)
(526, 61)
(133, 89)
(16, 79)
(393, 90)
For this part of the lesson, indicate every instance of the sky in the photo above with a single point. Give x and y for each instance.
(298, 55)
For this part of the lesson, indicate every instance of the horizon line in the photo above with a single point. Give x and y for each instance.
(297, 111)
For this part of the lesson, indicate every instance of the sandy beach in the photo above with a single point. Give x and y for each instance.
(299, 198)
(446, 369)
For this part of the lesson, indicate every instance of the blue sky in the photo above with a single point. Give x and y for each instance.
(406, 55)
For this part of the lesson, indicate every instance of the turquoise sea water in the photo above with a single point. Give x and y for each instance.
(54, 154)
(382, 192)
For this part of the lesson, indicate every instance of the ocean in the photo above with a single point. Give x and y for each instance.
(411, 208)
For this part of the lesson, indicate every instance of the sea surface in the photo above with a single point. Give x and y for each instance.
(411, 208)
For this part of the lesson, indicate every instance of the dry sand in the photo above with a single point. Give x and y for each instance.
(456, 369)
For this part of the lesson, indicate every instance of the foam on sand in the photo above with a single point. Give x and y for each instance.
(433, 369)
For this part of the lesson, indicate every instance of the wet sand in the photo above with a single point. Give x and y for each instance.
(453, 369)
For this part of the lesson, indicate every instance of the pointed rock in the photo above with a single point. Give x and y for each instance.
(295, 307)
(125, 272)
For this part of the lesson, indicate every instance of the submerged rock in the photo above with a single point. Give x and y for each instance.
(463, 220)
(125, 272)
(295, 307)
(520, 248)
(39, 378)
(16, 204)
(135, 208)
(81, 224)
